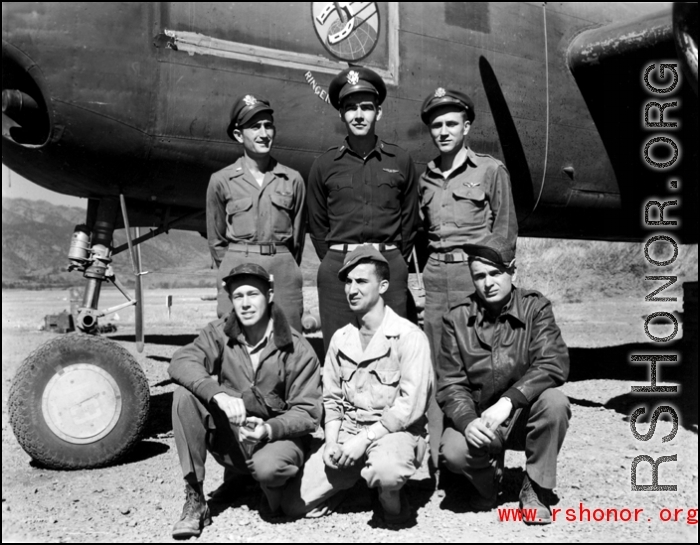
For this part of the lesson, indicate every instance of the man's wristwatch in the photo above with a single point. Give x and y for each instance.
(371, 435)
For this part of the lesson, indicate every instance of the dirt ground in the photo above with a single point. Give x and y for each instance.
(141, 498)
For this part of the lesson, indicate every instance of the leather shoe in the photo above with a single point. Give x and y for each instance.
(195, 514)
(534, 503)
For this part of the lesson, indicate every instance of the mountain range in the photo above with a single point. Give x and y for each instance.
(36, 237)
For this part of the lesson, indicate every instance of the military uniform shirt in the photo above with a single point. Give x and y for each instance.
(352, 200)
(240, 210)
(472, 202)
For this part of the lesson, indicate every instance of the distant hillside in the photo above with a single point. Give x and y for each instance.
(36, 237)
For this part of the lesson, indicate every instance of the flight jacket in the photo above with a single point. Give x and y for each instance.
(285, 390)
(526, 356)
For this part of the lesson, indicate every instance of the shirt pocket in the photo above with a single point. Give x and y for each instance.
(341, 197)
(469, 206)
(388, 192)
(346, 381)
(427, 208)
(240, 217)
(282, 213)
(384, 386)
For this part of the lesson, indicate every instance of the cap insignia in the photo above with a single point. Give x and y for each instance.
(353, 77)
(439, 92)
(249, 100)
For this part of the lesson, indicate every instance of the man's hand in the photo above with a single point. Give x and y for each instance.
(478, 434)
(352, 450)
(233, 407)
(497, 413)
(254, 431)
(331, 454)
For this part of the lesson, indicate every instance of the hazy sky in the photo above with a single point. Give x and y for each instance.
(14, 186)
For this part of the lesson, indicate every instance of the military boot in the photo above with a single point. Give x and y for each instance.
(195, 514)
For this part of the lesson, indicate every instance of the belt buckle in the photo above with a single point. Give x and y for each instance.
(267, 249)
(449, 258)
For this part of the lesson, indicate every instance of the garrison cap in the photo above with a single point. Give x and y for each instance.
(243, 111)
(366, 251)
(447, 97)
(246, 269)
(356, 80)
(493, 248)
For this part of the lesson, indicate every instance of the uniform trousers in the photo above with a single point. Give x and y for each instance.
(446, 284)
(389, 462)
(287, 282)
(200, 427)
(538, 429)
(332, 302)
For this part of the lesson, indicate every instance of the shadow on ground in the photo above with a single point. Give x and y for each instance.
(159, 416)
(162, 359)
(170, 340)
(614, 363)
(145, 450)
(458, 489)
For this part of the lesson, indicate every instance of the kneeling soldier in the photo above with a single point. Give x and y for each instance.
(502, 356)
(250, 395)
(377, 380)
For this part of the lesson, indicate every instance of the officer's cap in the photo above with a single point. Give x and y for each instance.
(366, 251)
(243, 111)
(447, 97)
(493, 248)
(245, 269)
(356, 80)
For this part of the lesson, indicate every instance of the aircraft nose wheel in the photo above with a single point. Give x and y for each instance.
(78, 402)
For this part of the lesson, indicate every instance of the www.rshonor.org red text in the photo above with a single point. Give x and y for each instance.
(599, 514)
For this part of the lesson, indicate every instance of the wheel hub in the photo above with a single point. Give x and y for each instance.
(81, 403)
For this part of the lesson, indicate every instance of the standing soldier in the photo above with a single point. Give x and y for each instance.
(255, 210)
(465, 196)
(363, 191)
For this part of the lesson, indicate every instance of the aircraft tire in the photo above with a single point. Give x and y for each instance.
(78, 402)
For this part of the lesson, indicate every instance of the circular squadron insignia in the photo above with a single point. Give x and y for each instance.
(348, 30)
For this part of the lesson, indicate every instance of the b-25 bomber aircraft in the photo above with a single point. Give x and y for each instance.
(126, 104)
